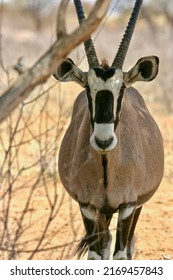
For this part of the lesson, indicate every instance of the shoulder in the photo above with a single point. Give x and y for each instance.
(134, 97)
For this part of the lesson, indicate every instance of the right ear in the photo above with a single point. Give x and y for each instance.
(146, 69)
(68, 71)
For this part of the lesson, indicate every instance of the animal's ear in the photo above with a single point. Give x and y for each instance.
(146, 69)
(68, 71)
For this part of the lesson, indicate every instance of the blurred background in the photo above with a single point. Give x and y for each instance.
(38, 220)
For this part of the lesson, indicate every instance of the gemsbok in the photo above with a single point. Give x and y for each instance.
(111, 158)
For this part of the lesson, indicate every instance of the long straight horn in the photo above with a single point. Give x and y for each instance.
(124, 45)
(89, 46)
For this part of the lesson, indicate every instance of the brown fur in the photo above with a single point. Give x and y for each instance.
(104, 64)
(135, 165)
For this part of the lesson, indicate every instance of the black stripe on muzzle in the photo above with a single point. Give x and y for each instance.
(104, 106)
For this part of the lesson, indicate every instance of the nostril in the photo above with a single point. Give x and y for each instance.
(104, 144)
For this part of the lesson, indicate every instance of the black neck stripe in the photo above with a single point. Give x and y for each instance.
(104, 164)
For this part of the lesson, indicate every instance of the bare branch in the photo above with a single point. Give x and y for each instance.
(19, 66)
(47, 64)
(61, 28)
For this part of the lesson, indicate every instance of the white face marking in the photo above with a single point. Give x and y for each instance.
(88, 214)
(103, 132)
(113, 84)
(92, 255)
(117, 81)
(121, 255)
(126, 212)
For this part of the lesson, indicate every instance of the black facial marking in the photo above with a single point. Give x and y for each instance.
(104, 74)
(146, 68)
(103, 144)
(90, 106)
(104, 104)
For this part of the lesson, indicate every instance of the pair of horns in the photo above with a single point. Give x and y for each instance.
(124, 45)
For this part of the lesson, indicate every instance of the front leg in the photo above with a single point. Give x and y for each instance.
(98, 237)
(125, 220)
(89, 216)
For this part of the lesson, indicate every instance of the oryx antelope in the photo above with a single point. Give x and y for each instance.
(111, 157)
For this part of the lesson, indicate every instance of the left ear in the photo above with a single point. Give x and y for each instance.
(68, 71)
(146, 69)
